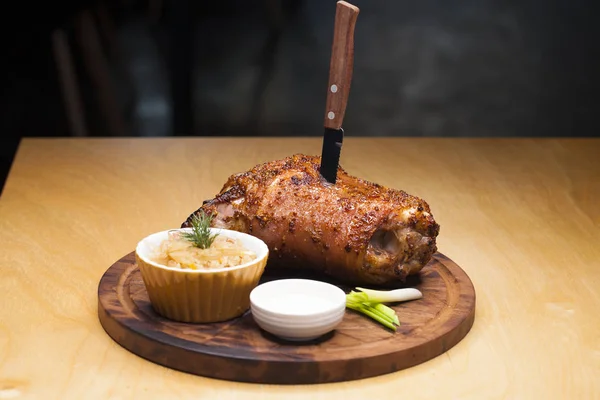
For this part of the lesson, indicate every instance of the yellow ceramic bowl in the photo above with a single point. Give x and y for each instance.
(200, 295)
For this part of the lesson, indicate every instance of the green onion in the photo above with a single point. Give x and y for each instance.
(367, 310)
(389, 312)
(370, 303)
(392, 296)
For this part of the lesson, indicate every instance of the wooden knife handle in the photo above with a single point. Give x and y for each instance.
(342, 62)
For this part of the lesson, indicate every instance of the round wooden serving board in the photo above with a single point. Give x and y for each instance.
(239, 350)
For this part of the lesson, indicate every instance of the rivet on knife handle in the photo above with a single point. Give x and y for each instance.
(342, 62)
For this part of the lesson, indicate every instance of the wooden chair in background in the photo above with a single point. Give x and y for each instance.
(84, 52)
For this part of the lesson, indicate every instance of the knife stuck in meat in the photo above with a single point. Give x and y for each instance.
(358, 232)
(340, 76)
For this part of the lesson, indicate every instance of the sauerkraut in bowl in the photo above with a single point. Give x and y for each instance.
(224, 252)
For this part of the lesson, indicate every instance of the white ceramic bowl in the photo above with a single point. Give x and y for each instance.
(297, 309)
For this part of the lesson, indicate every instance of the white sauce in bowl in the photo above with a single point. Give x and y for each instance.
(297, 303)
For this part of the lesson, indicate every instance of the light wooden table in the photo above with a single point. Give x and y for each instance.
(521, 217)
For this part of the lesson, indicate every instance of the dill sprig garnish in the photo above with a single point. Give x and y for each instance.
(200, 235)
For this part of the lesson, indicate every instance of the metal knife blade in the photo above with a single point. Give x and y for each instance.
(330, 153)
(340, 77)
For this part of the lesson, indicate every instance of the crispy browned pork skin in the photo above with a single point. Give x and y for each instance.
(356, 231)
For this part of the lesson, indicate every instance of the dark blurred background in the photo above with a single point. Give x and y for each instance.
(470, 68)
